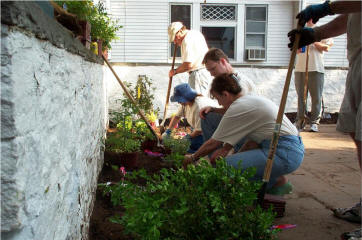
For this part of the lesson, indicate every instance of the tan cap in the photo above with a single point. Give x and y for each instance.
(173, 29)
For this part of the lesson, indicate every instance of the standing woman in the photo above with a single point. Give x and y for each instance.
(190, 104)
(253, 118)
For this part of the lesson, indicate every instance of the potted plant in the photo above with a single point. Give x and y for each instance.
(122, 150)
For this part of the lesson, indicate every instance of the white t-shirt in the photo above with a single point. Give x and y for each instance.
(252, 117)
(193, 49)
(315, 61)
(353, 36)
(247, 86)
(191, 113)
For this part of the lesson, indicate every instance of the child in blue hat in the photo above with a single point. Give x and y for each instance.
(190, 104)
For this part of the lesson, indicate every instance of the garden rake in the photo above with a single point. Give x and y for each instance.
(278, 124)
(135, 104)
(162, 125)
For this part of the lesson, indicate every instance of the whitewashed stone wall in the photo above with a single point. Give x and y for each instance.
(52, 124)
(269, 83)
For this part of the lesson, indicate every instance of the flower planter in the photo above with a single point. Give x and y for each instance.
(148, 144)
(127, 160)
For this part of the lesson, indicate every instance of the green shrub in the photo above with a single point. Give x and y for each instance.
(118, 143)
(200, 202)
(179, 146)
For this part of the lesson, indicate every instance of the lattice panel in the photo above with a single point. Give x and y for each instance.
(214, 12)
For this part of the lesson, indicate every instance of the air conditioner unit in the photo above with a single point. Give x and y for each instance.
(256, 54)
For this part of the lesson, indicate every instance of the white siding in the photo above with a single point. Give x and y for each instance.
(280, 22)
(337, 56)
(143, 38)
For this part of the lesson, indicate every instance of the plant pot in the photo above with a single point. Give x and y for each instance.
(148, 144)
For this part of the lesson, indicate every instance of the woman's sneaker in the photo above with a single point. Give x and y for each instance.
(314, 127)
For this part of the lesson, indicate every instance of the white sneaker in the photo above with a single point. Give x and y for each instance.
(314, 127)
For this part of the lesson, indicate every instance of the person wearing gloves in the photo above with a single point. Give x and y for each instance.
(190, 104)
(350, 114)
(315, 80)
(193, 49)
(253, 118)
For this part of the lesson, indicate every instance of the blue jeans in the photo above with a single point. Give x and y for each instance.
(196, 143)
(288, 157)
(209, 126)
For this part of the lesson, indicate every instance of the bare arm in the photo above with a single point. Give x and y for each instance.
(173, 122)
(206, 148)
(321, 46)
(334, 28)
(184, 67)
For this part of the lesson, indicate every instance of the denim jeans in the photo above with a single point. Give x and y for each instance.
(196, 143)
(288, 157)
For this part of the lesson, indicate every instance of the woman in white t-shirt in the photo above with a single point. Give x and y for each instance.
(190, 105)
(253, 118)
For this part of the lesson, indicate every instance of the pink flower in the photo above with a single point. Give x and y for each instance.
(123, 171)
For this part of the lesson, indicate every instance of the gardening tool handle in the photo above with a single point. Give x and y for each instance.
(132, 100)
(305, 90)
(169, 87)
(278, 124)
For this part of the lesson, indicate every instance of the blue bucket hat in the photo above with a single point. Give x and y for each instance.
(183, 93)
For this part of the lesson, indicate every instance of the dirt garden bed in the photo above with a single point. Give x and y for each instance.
(100, 226)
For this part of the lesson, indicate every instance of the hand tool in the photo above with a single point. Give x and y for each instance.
(162, 127)
(278, 124)
(134, 103)
(305, 92)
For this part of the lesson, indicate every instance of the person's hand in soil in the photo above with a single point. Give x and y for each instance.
(187, 160)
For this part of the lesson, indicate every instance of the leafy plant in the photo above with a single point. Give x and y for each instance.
(102, 26)
(175, 159)
(200, 202)
(179, 146)
(118, 143)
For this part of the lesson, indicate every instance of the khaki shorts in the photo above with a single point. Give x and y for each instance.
(349, 117)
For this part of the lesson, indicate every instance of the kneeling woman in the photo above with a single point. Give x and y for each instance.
(253, 118)
(190, 105)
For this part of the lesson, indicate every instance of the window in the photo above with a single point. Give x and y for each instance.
(255, 31)
(180, 13)
(218, 25)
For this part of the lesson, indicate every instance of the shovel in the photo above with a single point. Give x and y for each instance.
(278, 124)
(305, 93)
(162, 127)
(134, 103)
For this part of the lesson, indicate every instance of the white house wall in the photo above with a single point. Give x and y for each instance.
(143, 38)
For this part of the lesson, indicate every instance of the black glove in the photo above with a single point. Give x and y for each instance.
(307, 37)
(314, 12)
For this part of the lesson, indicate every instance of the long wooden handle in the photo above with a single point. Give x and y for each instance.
(278, 124)
(169, 87)
(132, 100)
(305, 90)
